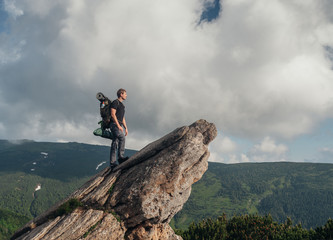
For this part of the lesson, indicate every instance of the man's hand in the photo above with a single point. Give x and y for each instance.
(120, 128)
(126, 131)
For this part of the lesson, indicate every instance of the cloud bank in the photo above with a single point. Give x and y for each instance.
(262, 68)
(226, 150)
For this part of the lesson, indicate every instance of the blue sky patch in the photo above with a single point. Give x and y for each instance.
(3, 17)
(211, 12)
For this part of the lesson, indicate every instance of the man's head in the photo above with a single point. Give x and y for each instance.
(121, 93)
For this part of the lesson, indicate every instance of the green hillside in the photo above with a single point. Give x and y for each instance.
(9, 222)
(301, 191)
(36, 175)
(17, 190)
(62, 161)
(57, 168)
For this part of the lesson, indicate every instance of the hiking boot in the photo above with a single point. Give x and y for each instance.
(113, 166)
(122, 159)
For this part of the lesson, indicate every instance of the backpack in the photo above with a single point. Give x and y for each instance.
(105, 110)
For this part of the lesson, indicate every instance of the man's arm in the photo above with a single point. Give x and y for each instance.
(114, 117)
(125, 126)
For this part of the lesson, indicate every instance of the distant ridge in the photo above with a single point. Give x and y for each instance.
(64, 160)
(229, 188)
(301, 191)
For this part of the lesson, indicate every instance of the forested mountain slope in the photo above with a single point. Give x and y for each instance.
(301, 191)
(35, 175)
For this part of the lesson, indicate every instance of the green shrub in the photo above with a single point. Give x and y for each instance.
(67, 207)
(253, 227)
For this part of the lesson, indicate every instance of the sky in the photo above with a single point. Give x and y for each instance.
(261, 71)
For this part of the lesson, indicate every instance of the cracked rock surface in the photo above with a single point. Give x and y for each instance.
(136, 200)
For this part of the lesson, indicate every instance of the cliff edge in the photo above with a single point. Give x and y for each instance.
(137, 199)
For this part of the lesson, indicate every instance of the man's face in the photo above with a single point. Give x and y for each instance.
(123, 95)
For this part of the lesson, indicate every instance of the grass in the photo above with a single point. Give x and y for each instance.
(91, 229)
(111, 188)
(67, 207)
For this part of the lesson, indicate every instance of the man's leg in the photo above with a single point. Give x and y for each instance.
(121, 145)
(120, 137)
(114, 146)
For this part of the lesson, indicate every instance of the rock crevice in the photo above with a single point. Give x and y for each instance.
(137, 199)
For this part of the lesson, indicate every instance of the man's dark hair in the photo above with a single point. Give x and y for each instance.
(120, 91)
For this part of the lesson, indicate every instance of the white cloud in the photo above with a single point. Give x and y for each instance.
(325, 155)
(10, 52)
(225, 150)
(12, 9)
(223, 144)
(214, 157)
(268, 145)
(268, 151)
(233, 158)
(244, 158)
(259, 70)
(327, 150)
(222, 149)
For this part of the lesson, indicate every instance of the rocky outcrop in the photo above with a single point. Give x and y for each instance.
(137, 199)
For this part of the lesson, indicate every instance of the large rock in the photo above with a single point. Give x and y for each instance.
(136, 200)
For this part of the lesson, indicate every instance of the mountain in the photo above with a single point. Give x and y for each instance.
(60, 161)
(9, 223)
(301, 191)
(36, 175)
(137, 199)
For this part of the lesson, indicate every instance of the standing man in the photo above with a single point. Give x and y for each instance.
(118, 126)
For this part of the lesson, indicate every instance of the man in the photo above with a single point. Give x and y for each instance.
(118, 126)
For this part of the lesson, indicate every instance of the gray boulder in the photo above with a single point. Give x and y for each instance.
(137, 199)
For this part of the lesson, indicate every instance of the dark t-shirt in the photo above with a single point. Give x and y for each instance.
(120, 110)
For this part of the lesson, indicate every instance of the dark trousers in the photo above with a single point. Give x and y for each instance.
(117, 145)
